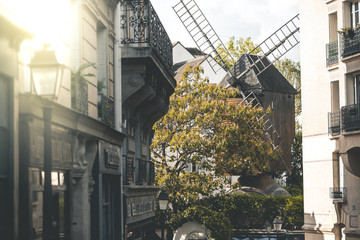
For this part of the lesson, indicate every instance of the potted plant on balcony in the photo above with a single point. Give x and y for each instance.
(349, 31)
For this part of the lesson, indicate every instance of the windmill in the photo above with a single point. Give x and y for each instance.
(271, 49)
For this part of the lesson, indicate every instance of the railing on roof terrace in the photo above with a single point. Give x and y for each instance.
(334, 122)
(350, 42)
(141, 27)
(332, 53)
(350, 117)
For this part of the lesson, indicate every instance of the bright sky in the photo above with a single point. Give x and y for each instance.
(240, 18)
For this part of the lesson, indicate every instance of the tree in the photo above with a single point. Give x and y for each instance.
(236, 48)
(204, 128)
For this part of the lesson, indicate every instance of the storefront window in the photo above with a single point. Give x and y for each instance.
(58, 203)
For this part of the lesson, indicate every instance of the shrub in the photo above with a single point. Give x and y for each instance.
(216, 223)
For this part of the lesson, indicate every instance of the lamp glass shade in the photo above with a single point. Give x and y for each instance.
(163, 204)
(46, 74)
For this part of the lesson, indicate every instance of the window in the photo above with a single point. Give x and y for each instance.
(335, 101)
(356, 89)
(354, 13)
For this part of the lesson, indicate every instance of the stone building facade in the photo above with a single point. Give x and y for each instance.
(115, 86)
(330, 118)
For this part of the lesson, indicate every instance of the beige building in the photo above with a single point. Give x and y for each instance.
(330, 68)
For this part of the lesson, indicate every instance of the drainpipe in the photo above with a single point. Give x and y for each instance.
(336, 184)
(118, 101)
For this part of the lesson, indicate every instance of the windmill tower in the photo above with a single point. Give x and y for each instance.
(249, 71)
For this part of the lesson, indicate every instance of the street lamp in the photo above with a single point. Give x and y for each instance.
(163, 199)
(277, 225)
(46, 76)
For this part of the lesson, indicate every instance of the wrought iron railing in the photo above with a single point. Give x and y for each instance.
(141, 178)
(337, 193)
(106, 110)
(79, 95)
(350, 42)
(130, 170)
(350, 117)
(141, 27)
(334, 122)
(332, 53)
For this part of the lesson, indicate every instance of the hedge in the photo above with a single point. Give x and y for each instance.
(247, 211)
(218, 226)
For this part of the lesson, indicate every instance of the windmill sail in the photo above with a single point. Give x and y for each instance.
(271, 49)
(202, 33)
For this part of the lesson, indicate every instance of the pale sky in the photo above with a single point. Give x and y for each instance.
(240, 18)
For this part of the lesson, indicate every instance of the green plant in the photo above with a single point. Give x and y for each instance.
(216, 223)
(77, 74)
(247, 211)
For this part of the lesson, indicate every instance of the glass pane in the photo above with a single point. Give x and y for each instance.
(61, 215)
(54, 178)
(44, 80)
(4, 104)
(4, 152)
(4, 208)
(37, 215)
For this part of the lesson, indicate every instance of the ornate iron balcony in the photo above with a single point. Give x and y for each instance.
(141, 27)
(338, 194)
(332, 53)
(350, 43)
(79, 95)
(106, 110)
(130, 170)
(334, 122)
(350, 117)
(141, 178)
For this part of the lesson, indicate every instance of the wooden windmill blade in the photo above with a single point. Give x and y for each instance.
(203, 34)
(274, 47)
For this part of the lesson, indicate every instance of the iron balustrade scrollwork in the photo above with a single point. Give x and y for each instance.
(79, 95)
(332, 53)
(350, 43)
(106, 110)
(334, 122)
(350, 117)
(142, 27)
(130, 169)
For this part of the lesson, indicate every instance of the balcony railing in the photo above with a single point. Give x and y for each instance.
(106, 110)
(345, 120)
(334, 122)
(338, 194)
(141, 174)
(350, 42)
(142, 27)
(350, 117)
(332, 53)
(130, 170)
(79, 95)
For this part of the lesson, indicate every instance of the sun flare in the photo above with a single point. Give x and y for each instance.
(48, 20)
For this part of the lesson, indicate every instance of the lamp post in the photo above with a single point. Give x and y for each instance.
(46, 76)
(277, 225)
(163, 203)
